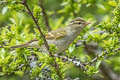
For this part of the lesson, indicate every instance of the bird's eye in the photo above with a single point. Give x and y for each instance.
(79, 23)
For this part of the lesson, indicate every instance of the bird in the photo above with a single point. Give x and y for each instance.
(61, 37)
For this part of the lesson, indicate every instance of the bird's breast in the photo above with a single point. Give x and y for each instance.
(61, 44)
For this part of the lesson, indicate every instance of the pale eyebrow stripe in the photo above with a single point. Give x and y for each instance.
(77, 20)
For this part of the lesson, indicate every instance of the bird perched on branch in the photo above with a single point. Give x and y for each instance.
(61, 37)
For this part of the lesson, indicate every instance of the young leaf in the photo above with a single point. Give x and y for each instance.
(112, 3)
(4, 10)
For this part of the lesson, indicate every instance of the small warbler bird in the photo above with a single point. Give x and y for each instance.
(61, 37)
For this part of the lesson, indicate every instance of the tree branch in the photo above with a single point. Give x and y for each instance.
(36, 23)
(101, 55)
(3, 2)
(75, 61)
(1, 47)
(44, 15)
(45, 41)
(106, 71)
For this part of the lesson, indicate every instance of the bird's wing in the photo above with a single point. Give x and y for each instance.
(25, 44)
(53, 35)
(57, 34)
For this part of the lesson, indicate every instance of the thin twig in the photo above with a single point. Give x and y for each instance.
(104, 68)
(1, 47)
(57, 70)
(108, 73)
(3, 2)
(36, 23)
(76, 62)
(44, 15)
(101, 55)
(45, 41)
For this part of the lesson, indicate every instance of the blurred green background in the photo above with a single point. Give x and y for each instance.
(59, 13)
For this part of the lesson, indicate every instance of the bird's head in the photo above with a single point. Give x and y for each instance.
(78, 23)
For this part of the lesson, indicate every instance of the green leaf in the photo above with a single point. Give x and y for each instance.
(108, 61)
(98, 64)
(53, 48)
(88, 5)
(101, 6)
(12, 20)
(25, 56)
(71, 48)
(4, 10)
(113, 3)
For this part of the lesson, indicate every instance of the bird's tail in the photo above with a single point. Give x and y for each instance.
(18, 46)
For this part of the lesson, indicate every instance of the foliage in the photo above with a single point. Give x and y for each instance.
(19, 28)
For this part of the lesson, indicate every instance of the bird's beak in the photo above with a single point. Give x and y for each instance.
(86, 23)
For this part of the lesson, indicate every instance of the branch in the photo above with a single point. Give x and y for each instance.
(36, 23)
(101, 55)
(44, 15)
(45, 41)
(3, 2)
(106, 71)
(75, 61)
(1, 47)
